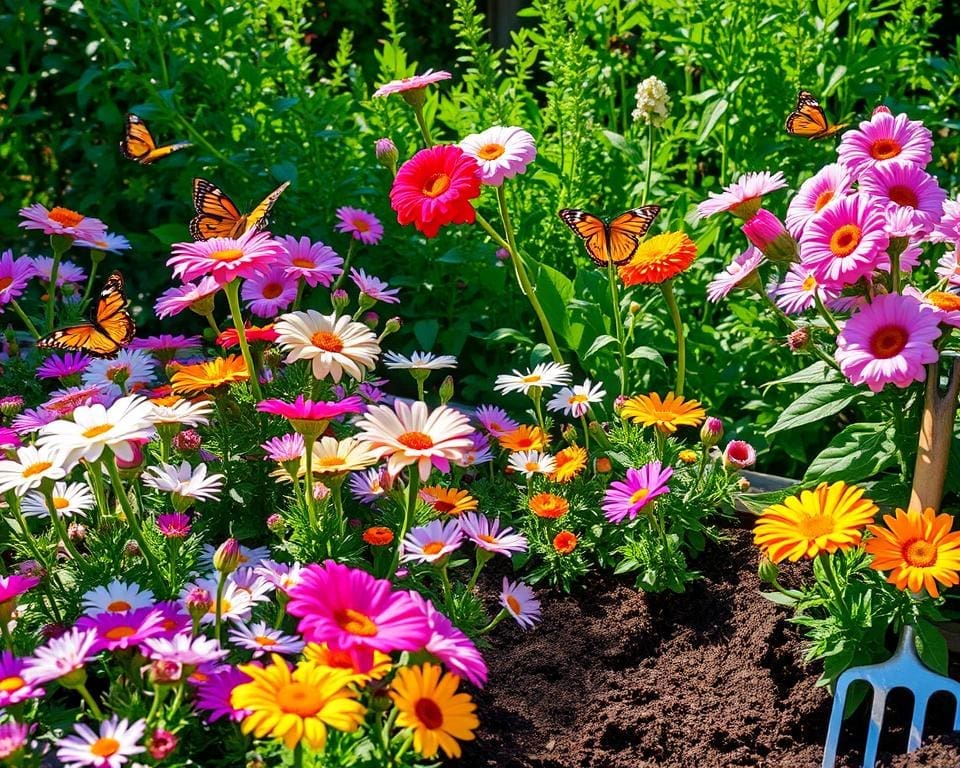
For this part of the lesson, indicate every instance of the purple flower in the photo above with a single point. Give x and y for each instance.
(627, 498)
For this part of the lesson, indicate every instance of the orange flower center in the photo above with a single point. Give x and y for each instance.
(432, 548)
(902, 195)
(118, 633)
(97, 430)
(428, 713)
(436, 185)
(809, 284)
(885, 149)
(272, 290)
(577, 399)
(491, 151)
(10, 684)
(888, 341)
(303, 263)
(331, 461)
(920, 553)
(355, 622)
(487, 538)
(949, 302)
(845, 240)
(36, 469)
(263, 640)
(822, 199)
(531, 379)
(812, 527)
(514, 604)
(60, 503)
(119, 606)
(531, 466)
(66, 218)
(523, 443)
(5, 283)
(300, 699)
(113, 370)
(417, 441)
(328, 342)
(226, 254)
(105, 747)
(639, 495)
(361, 225)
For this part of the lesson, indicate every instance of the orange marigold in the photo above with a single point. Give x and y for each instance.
(378, 536)
(448, 501)
(565, 542)
(659, 258)
(666, 415)
(209, 374)
(524, 438)
(549, 505)
(570, 463)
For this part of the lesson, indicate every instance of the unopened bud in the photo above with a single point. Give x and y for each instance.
(188, 441)
(881, 108)
(602, 465)
(161, 744)
(164, 672)
(371, 320)
(275, 524)
(618, 403)
(131, 549)
(320, 491)
(711, 432)
(503, 254)
(446, 390)
(738, 455)
(387, 154)
(769, 234)
(198, 602)
(340, 300)
(227, 558)
(136, 446)
(77, 531)
(569, 434)
(635, 308)
(799, 339)
(391, 326)
(767, 570)
(10, 406)
(686, 456)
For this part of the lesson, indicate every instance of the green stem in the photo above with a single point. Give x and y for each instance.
(791, 325)
(232, 289)
(132, 521)
(895, 270)
(159, 693)
(91, 702)
(424, 131)
(483, 556)
(667, 288)
(95, 262)
(646, 183)
(212, 323)
(218, 606)
(60, 245)
(5, 632)
(346, 266)
(308, 441)
(298, 756)
(536, 394)
(496, 620)
(61, 530)
(413, 488)
(95, 481)
(26, 320)
(825, 314)
(618, 324)
(586, 434)
(336, 486)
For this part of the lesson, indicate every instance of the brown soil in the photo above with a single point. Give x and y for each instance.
(712, 678)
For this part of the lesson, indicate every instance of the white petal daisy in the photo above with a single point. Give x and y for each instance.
(575, 401)
(544, 375)
(334, 345)
(94, 428)
(424, 361)
(31, 466)
(69, 499)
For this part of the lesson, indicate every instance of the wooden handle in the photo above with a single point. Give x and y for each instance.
(936, 435)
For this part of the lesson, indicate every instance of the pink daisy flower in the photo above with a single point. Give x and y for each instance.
(494, 420)
(13, 687)
(32, 419)
(884, 138)
(501, 153)
(309, 410)
(67, 271)
(315, 262)
(451, 646)
(435, 187)
(113, 746)
(766, 232)
(796, 293)
(362, 225)
(14, 276)
(123, 630)
(348, 608)
(843, 242)
(60, 656)
(428, 543)
(62, 221)
(61, 366)
(519, 601)
(946, 306)
(741, 271)
(905, 185)
(261, 638)
(889, 341)
(477, 453)
(213, 692)
(374, 287)
(641, 486)
(486, 534)
(282, 576)
(269, 292)
(947, 230)
(284, 448)
(412, 83)
(11, 587)
(168, 346)
(743, 197)
(63, 402)
(184, 649)
(13, 737)
(174, 300)
(9, 438)
(948, 268)
(829, 183)
(225, 258)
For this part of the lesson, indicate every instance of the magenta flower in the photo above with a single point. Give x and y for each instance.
(270, 291)
(175, 526)
(225, 258)
(348, 608)
(947, 229)
(494, 420)
(428, 543)
(412, 83)
(13, 687)
(13, 737)
(451, 646)
(61, 366)
(167, 345)
(9, 438)
(844, 242)
(884, 138)
(766, 232)
(213, 692)
(285, 448)
(641, 486)
(486, 534)
(309, 410)
(174, 300)
(889, 341)
(123, 630)
(501, 153)
(11, 587)
(739, 454)
(743, 197)
(905, 185)
(62, 221)
(374, 287)
(830, 183)
(362, 225)
(316, 263)
(14, 276)
(741, 271)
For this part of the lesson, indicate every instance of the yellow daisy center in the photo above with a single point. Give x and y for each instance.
(299, 699)
(355, 623)
(436, 185)
(845, 240)
(36, 469)
(428, 713)
(331, 461)
(361, 225)
(328, 342)
(578, 399)
(487, 538)
(531, 466)
(264, 641)
(105, 747)
(303, 263)
(226, 254)
(920, 553)
(639, 495)
(417, 441)
(822, 199)
(533, 378)
(888, 341)
(814, 526)
(948, 302)
(10, 684)
(97, 430)
(491, 151)
(65, 217)
(809, 284)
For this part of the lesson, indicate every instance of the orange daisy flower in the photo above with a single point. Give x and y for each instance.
(549, 505)
(524, 438)
(659, 258)
(565, 542)
(208, 375)
(918, 549)
(570, 463)
(448, 501)
(378, 536)
(665, 415)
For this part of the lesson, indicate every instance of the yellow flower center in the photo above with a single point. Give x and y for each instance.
(328, 342)
(264, 641)
(118, 606)
(300, 699)
(118, 633)
(920, 553)
(487, 538)
(36, 469)
(105, 747)
(226, 254)
(514, 604)
(809, 284)
(533, 378)
(355, 622)
(303, 263)
(845, 240)
(331, 461)
(948, 302)
(5, 283)
(531, 466)
(888, 341)
(812, 527)
(577, 399)
(436, 185)
(272, 290)
(10, 684)
(639, 495)
(822, 199)
(432, 548)
(491, 151)
(225, 607)
(428, 713)
(902, 195)
(417, 441)
(97, 430)
(885, 149)
(65, 217)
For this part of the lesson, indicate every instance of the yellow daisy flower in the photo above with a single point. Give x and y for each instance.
(666, 415)
(430, 705)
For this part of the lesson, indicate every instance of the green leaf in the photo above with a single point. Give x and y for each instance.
(426, 332)
(815, 404)
(168, 234)
(647, 353)
(779, 598)
(599, 343)
(857, 453)
(931, 646)
(711, 116)
(817, 373)
(554, 289)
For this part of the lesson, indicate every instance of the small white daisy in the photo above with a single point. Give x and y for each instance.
(69, 500)
(235, 605)
(544, 375)
(116, 597)
(184, 482)
(111, 748)
(424, 361)
(181, 412)
(31, 466)
(576, 401)
(530, 463)
(130, 367)
(261, 639)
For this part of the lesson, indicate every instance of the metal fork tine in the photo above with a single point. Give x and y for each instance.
(836, 720)
(876, 725)
(916, 724)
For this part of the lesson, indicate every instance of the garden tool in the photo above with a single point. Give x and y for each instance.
(903, 670)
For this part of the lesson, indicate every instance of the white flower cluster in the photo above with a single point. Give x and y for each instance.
(653, 103)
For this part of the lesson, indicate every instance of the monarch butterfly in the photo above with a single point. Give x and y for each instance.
(138, 143)
(809, 120)
(218, 216)
(614, 241)
(110, 328)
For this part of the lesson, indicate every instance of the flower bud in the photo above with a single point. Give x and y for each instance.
(371, 320)
(137, 460)
(769, 234)
(204, 306)
(711, 432)
(602, 465)
(275, 524)
(131, 549)
(164, 672)
(881, 108)
(161, 744)
(569, 434)
(340, 300)
(635, 308)
(10, 406)
(188, 441)
(446, 390)
(320, 491)
(198, 602)
(738, 454)
(77, 532)
(387, 154)
(687, 456)
(227, 558)
(503, 254)
(799, 339)
(767, 570)
(618, 403)
(391, 326)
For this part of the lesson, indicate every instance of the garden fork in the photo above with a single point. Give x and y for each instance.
(903, 670)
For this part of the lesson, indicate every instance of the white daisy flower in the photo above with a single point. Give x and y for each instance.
(544, 375)
(94, 428)
(334, 345)
(235, 605)
(116, 597)
(184, 482)
(181, 412)
(110, 748)
(69, 499)
(130, 367)
(32, 466)
(530, 463)
(423, 361)
(575, 401)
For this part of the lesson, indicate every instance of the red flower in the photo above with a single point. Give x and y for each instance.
(229, 338)
(565, 542)
(378, 536)
(435, 187)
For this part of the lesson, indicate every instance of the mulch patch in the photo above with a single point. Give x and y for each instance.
(712, 678)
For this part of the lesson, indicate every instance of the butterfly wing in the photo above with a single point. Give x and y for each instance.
(592, 230)
(258, 217)
(217, 216)
(110, 329)
(138, 143)
(627, 230)
(809, 119)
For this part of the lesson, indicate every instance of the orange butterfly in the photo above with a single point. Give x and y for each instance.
(615, 241)
(218, 216)
(110, 328)
(809, 120)
(138, 143)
